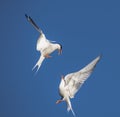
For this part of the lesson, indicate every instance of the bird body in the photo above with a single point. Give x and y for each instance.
(71, 83)
(44, 46)
(64, 92)
(42, 43)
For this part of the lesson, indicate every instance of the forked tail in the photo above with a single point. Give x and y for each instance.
(39, 62)
(69, 107)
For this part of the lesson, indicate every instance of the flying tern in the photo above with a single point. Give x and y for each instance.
(44, 46)
(71, 83)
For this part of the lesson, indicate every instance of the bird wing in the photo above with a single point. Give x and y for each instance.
(75, 80)
(51, 41)
(33, 23)
(42, 43)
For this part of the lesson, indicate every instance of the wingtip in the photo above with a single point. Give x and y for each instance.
(26, 15)
(100, 56)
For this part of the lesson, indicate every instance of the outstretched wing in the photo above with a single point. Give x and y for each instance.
(75, 80)
(33, 23)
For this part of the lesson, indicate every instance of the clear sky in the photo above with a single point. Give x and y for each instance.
(85, 29)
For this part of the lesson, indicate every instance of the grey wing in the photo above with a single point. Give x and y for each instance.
(33, 23)
(75, 80)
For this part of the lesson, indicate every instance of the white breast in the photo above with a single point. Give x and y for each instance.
(42, 43)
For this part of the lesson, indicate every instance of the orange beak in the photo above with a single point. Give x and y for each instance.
(59, 51)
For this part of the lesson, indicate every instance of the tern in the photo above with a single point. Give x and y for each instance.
(44, 46)
(71, 83)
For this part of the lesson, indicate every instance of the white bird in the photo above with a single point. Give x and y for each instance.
(44, 46)
(71, 83)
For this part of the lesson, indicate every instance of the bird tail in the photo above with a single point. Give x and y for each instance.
(39, 62)
(69, 107)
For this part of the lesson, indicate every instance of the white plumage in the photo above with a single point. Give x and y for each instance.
(44, 46)
(71, 83)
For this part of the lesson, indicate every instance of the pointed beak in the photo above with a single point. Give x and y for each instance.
(62, 77)
(59, 51)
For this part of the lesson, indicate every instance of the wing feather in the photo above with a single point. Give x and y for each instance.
(33, 23)
(75, 80)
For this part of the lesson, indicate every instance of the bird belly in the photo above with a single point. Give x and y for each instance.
(41, 44)
(47, 51)
(64, 92)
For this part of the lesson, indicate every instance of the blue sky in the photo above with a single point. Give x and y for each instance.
(85, 29)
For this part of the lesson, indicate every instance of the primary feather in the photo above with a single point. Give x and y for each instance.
(75, 80)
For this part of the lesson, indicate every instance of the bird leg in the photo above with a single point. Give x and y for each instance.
(58, 101)
(47, 56)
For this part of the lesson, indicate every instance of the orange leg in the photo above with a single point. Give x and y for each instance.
(58, 101)
(47, 56)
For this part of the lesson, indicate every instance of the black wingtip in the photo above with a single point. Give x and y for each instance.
(26, 15)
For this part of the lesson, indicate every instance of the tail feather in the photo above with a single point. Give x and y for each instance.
(70, 107)
(39, 62)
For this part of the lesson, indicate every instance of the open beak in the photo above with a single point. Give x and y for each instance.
(59, 51)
